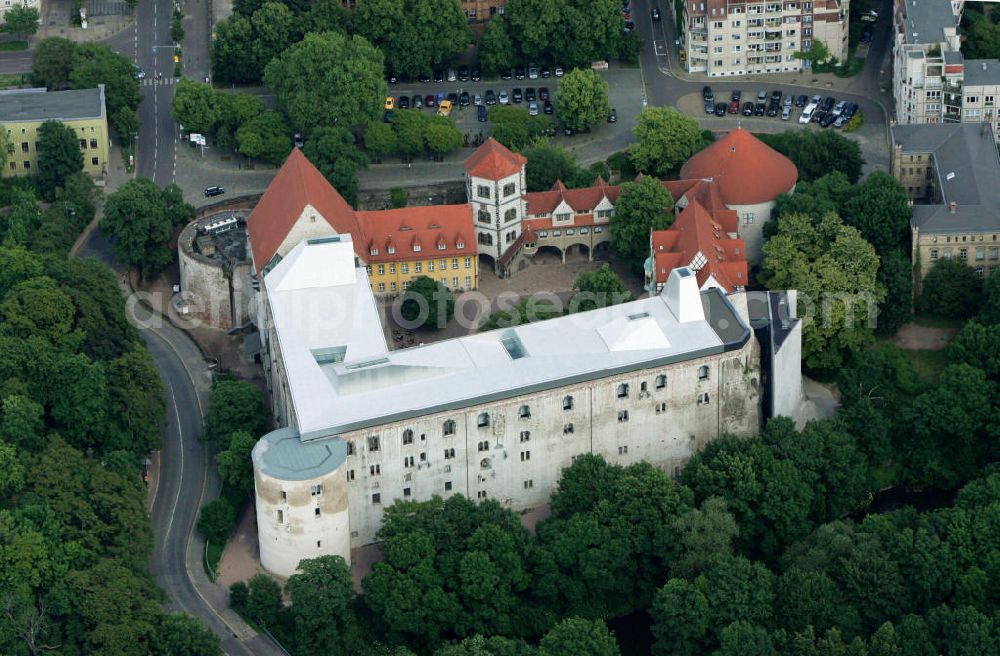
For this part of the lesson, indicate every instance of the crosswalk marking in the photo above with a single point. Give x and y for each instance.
(152, 81)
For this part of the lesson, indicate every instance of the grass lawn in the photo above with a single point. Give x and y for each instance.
(11, 80)
(7, 46)
(928, 363)
(213, 554)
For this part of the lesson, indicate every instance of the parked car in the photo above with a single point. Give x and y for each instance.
(519, 71)
(850, 110)
(761, 96)
(452, 76)
(475, 74)
(543, 93)
(816, 100)
(390, 103)
(612, 117)
(452, 98)
(214, 191)
(388, 115)
(839, 108)
(828, 103)
(788, 101)
(429, 100)
(709, 107)
(444, 108)
(558, 72)
(503, 98)
(516, 95)
(748, 108)
(786, 112)
(870, 16)
(802, 101)
(734, 106)
(463, 73)
(391, 78)
(529, 94)
(481, 114)
(298, 140)
(720, 109)
(655, 13)
(506, 73)
(532, 72)
(759, 109)
(404, 102)
(736, 95)
(707, 93)
(424, 78)
(477, 100)
(839, 123)
(819, 115)
(807, 113)
(828, 120)
(490, 98)
(464, 100)
(773, 109)
(776, 96)
(548, 108)
(866, 34)
(532, 108)
(139, 73)
(546, 72)
(418, 101)
(439, 76)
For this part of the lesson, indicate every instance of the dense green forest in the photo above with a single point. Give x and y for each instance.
(762, 547)
(81, 405)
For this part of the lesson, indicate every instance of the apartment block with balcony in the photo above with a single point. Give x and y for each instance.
(736, 37)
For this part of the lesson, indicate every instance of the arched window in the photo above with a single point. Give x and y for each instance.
(524, 412)
(484, 446)
(510, 214)
(449, 427)
(484, 216)
(661, 381)
(623, 390)
(567, 403)
(485, 239)
(407, 436)
(703, 372)
(484, 419)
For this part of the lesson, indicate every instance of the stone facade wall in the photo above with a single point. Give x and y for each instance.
(664, 426)
(444, 193)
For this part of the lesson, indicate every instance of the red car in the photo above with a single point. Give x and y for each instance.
(734, 106)
(429, 100)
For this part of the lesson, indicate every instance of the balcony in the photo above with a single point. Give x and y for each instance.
(772, 36)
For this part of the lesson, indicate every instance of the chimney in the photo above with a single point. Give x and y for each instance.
(952, 206)
(682, 296)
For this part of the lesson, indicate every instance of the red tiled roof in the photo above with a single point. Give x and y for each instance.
(584, 199)
(696, 230)
(427, 227)
(747, 170)
(297, 184)
(494, 161)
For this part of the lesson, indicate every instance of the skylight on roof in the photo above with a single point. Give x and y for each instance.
(329, 355)
(367, 363)
(324, 240)
(515, 349)
(641, 315)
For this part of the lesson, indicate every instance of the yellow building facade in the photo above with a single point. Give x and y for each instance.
(22, 112)
(456, 273)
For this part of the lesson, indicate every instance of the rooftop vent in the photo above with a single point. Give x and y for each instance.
(950, 176)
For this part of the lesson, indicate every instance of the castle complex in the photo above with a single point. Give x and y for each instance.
(499, 414)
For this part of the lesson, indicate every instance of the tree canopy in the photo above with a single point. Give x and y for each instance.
(582, 101)
(427, 303)
(596, 289)
(950, 289)
(328, 79)
(642, 207)
(59, 156)
(664, 139)
(139, 218)
(835, 272)
(817, 153)
(416, 36)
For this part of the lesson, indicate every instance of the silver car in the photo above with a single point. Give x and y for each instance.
(502, 97)
(533, 108)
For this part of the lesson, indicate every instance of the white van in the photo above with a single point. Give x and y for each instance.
(807, 113)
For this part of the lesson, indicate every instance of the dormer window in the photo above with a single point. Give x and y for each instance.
(390, 250)
(416, 248)
(460, 245)
(441, 245)
(374, 251)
